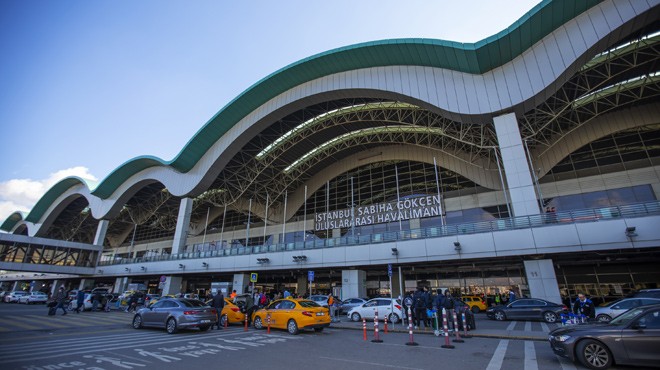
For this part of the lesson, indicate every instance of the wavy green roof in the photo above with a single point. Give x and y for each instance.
(475, 58)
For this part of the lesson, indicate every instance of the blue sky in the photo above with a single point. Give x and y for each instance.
(88, 85)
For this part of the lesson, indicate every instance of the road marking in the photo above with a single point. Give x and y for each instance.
(498, 356)
(528, 326)
(566, 364)
(530, 356)
(369, 363)
(512, 325)
(15, 356)
(545, 327)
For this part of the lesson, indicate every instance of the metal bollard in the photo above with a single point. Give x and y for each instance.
(465, 333)
(411, 342)
(445, 327)
(364, 327)
(458, 337)
(376, 337)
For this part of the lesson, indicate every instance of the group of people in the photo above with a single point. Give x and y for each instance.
(423, 300)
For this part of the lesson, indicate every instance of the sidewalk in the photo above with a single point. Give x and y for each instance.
(345, 323)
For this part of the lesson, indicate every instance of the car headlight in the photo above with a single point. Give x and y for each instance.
(561, 338)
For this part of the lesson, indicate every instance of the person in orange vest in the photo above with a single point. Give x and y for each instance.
(331, 306)
(233, 294)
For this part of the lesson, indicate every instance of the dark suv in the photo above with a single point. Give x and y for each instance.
(646, 293)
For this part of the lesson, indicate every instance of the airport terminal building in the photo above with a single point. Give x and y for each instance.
(529, 161)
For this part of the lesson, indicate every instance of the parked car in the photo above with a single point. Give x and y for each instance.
(292, 315)
(629, 339)
(475, 302)
(646, 293)
(386, 307)
(527, 309)
(12, 297)
(230, 312)
(34, 297)
(616, 308)
(174, 314)
(322, 300)
(347, 304)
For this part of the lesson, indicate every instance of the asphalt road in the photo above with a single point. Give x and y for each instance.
(29, 339)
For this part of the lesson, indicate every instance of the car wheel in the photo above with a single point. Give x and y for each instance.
(223, 320)
(550, 317)
(137, 322)
(292, 327)
(318, 330)
(258, 323)
(394, 318)
(355, 317)
(500, 316)
(594, 354)
(171, 326)
(475, 309)
(204, 328)
(603, 318)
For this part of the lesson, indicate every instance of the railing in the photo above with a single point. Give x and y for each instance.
(525, 222)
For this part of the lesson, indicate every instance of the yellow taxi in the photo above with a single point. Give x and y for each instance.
(292, 315)
(475, 302)
(156, 299)
(230, 312)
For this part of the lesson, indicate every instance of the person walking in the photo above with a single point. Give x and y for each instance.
(60, 298)
(512, 295)
(80, 301)
(218, 303)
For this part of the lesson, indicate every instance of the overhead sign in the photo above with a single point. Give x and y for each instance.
(253, 277)
(405, 209)
(310, 275)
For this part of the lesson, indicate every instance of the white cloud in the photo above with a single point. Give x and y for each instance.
(23, 194)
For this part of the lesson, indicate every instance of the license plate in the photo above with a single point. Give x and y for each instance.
(205, 321)
(320, 313)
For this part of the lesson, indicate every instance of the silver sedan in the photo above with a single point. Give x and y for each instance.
(176, 313)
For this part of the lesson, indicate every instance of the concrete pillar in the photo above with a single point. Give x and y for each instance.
(542, 280)
(172, 285)
(241, 281)
(303, 285)
(53, 289)
(86, 284)
(516, 167)
(120, 284)
(353, 283)
(182, 225)
(396, 287)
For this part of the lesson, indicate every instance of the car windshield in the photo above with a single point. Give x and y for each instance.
(626, 317)
(308, 304)
(192, 303)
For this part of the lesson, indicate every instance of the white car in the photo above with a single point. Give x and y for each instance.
(34, 297)
(616, 308)
(384, 307)
(13, 296)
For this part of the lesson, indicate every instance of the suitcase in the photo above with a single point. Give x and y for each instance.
(52, 311)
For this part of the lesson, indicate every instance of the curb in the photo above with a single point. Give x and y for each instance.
(473, 334)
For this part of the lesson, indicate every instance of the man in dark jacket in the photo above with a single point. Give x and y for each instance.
(584, 306)
(80, 301)
(60, 298)
(218, 303)
(420, 299)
